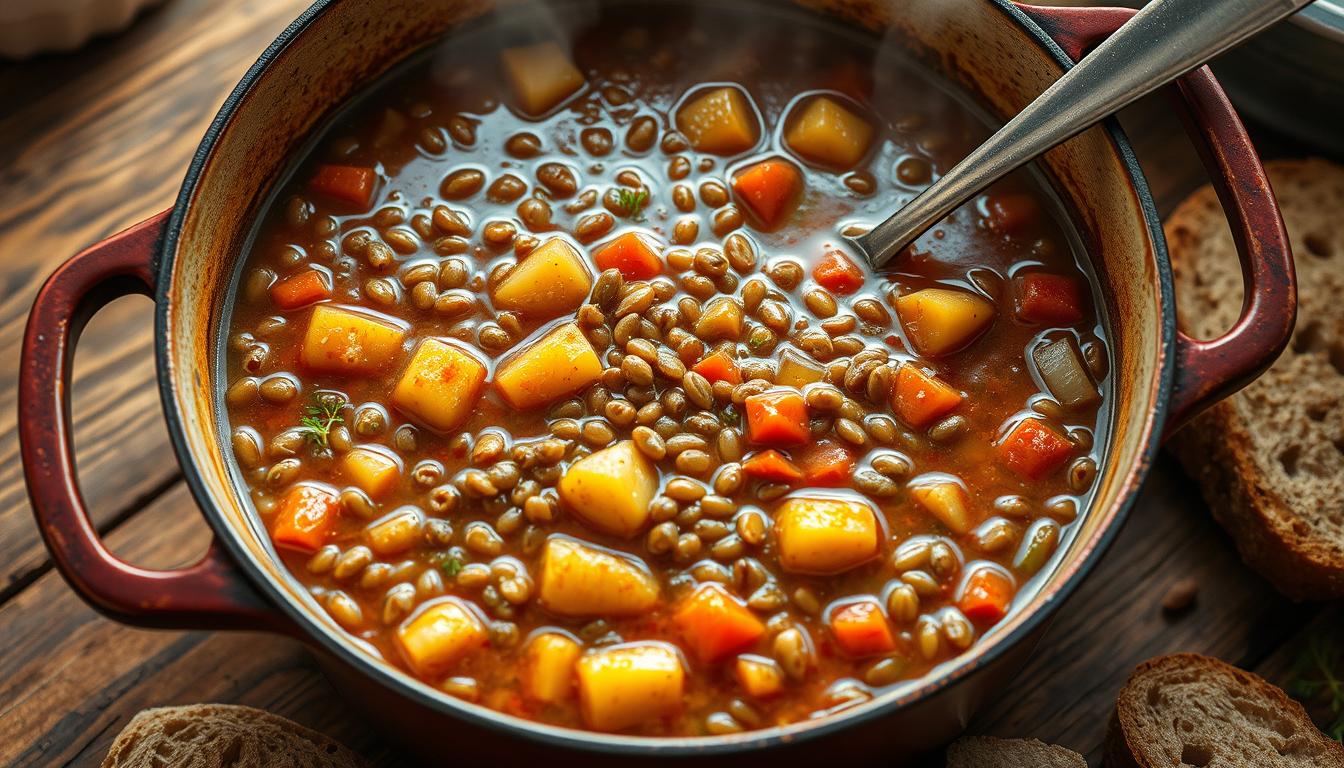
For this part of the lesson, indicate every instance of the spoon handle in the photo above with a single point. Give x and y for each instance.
(1165, 40)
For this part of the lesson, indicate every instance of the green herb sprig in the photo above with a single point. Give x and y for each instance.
(452, 566)
(320, 417)
(632, 202)
(1316, 678)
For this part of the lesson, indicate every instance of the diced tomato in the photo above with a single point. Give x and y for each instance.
(861, 629)
(716, 624)
(353, 184)
(304, 518)
(769, 189)
(838, 274)
(920, 399)
(632, 254)
(1034, 450)
(986, 596)
(719, 366)
(777, 418)
(307, 287)
(1049, 299)
(826, 464)
(1013, 213)
(773, 466)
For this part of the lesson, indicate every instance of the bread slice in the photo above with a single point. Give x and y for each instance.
(220, 736)
(1192, 710)
(1270, 459)
(989, 752)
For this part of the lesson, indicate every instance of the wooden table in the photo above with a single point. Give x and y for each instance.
(95, 141)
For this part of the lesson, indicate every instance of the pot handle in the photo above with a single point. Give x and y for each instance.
(1207, 371)
(212, 594)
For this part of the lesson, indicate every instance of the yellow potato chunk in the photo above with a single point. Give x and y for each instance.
(829, 134)
(372, 468)
(440, 385)
(760, 676)
(798, 370)
(940, 321)
(822, 536)
(541, 76)
(558, 364)
(548, 665)
(395, 532)
(630, 684)
(610, 489)
(722, 319)
(945, 499)
(341, 340)
(582, 580)
(440, 634)
(551, 281)
(720, 121)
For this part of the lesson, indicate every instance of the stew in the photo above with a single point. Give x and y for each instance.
(553, 379)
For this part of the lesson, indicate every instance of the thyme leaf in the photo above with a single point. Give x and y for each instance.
(320, 417)
(1316, 677)
(632, 202)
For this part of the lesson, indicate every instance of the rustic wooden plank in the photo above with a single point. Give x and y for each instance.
(71, 679)
(89, 144)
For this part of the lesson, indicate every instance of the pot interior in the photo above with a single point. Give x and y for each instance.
(982, 46)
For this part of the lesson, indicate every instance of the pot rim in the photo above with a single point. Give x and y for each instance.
(1072, 572)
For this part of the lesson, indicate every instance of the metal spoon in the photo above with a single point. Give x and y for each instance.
(1165, 40)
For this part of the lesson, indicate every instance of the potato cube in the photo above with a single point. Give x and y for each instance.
(548, 667)
(823, 536)
(610, 489)
(940, 321)
(629, 684)
(559, 363)
(541, 76)
(798, 370)
(945, 498)
(760, 676)
(722, 319)
(396, 531)
(350, 341)
(582, 580)
(373, 468)
(440, 385)
(438, 635)
(720, 121)
(829, 134)
(552, 280)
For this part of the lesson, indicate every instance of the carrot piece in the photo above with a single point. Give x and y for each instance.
(307, 287)
(920, 399)
(1034, 450)
(826, 464)
(838, 274)
(304, 518)
(1012, 213)
(769, 189)
(719, 366)
(773, 466)
(860, 629)
(1049, 299)
(350, 183)
(777, 418)
(716, 624)
(986, 596)
(632, 254)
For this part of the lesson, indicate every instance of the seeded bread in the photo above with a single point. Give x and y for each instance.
(1192, 710)
(220, 735)
(1270, 459)
(989, 752)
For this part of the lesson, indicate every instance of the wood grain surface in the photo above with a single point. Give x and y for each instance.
(95, 141)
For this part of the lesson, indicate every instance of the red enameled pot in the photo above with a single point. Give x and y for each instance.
(1003, 54)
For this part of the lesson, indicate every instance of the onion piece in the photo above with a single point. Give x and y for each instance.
(1062, 370)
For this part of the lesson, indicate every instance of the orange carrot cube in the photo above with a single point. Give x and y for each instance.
(920, 399)
(777, 418)
(716, 624)
(304, 518)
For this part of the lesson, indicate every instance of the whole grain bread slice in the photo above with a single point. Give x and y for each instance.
(220, 736)
(1192, 710)
(990, 752)
(1270, 459)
